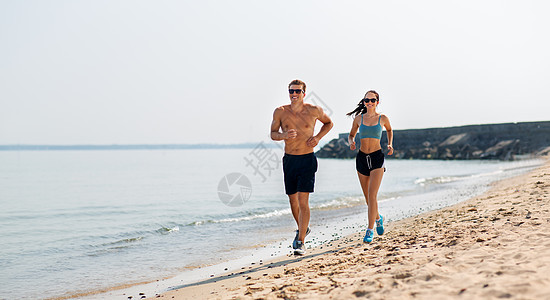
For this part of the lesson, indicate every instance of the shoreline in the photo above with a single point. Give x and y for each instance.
(465, 250)
(254, 261)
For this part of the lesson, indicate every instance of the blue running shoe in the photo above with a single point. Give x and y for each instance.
(368, 236)
(294, 245)
(380, 225)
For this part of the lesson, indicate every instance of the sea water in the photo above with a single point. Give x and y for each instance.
(81, 221)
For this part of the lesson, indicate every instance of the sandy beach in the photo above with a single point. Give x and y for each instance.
(496, 245)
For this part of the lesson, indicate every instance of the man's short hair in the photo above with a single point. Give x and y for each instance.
(298, 82)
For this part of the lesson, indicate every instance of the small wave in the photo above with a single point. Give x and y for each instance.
(436, 180)
(340, 202)
(197, 223)
(113, 247)
(447, 179)
(486, 174)
(275, 213)
(167, 230)
(124, 241)
(388, 199)
(332, 204)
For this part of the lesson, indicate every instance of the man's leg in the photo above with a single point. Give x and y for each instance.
(295, 208)
(303, 217)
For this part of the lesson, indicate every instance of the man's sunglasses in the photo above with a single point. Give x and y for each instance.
(297, 91)
(373, 100)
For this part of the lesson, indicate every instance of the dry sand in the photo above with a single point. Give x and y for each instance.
(493, 246)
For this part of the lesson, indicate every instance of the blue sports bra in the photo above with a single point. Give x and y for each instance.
(373, 132)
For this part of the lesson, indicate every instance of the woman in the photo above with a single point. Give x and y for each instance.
(370, 159)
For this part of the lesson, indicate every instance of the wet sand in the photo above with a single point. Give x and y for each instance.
(493, 246)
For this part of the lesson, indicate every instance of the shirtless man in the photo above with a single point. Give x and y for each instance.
(297, 121)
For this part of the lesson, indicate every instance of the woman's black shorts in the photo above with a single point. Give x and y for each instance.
(364, 163)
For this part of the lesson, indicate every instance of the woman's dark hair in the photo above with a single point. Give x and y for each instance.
(361, 108)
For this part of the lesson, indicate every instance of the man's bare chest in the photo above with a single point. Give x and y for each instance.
(302, 121)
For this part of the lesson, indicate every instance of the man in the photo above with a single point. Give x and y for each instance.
(297, 123)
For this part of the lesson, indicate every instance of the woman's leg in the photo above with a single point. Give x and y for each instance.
(372, 197)
(364, 181)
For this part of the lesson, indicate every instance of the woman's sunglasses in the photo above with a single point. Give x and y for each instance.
(373, 100)
(297, 91)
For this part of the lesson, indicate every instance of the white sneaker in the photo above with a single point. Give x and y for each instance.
(300, 248)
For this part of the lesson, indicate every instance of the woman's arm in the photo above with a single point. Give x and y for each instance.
(353, 132)
(389, 132)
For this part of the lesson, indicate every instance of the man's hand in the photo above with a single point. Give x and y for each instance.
(291, 134)
(312, 141)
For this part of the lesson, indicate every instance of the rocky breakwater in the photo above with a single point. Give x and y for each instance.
(490, 141)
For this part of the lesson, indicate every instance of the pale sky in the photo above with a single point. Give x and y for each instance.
(127, 72)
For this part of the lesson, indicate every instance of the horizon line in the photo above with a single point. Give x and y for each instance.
(168, 146)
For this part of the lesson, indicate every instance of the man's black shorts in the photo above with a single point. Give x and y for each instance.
(299, 172)
(364, 163)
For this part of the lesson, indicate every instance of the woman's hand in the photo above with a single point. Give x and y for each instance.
(390, 149)
(351, 142)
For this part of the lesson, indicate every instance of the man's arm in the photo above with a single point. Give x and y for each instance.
(327, 126)
(276, 124)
